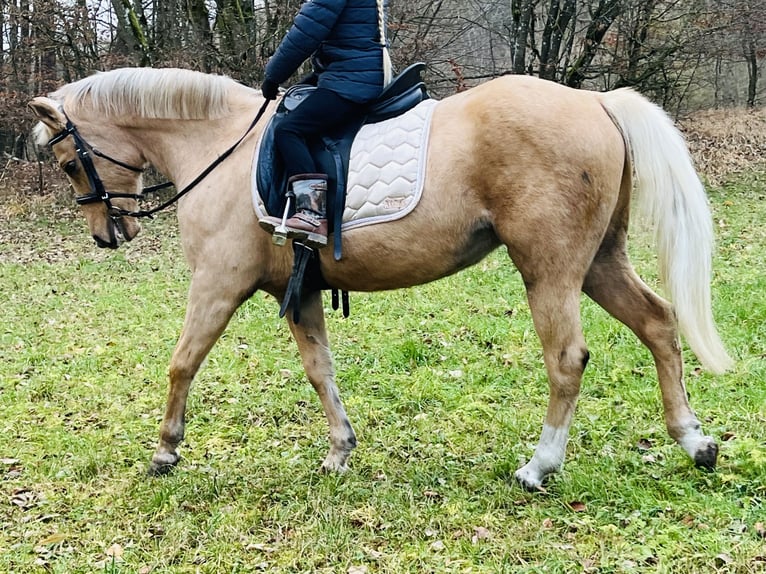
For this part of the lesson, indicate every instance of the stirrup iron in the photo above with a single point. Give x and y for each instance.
(279, 237)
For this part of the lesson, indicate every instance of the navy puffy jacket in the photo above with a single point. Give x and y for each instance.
(343, 37)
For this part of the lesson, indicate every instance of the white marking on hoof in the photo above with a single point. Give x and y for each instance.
(336, 462)
(529, 479)
(333, 467)
(703, 450)
(548, 458)
(707, 454)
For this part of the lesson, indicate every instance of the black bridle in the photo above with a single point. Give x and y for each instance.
(98, 192)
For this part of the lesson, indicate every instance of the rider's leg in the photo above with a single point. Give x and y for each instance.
(320, 113)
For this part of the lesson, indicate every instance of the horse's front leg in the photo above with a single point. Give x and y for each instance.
(208, 312)
(311, 336)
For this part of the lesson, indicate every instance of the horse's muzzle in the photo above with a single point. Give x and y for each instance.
(117, 234)
(113, 244)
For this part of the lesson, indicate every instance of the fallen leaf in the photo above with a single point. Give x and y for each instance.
(437, 546)
(547, 523)
(374, 554)
(431, 494)
(728, 435)
(115, 551)
(644, 444)
(9, 461)
(723, 559)
(260, 547)
(577, 506)
(23, 498)
(760, 529)
(53, 539)
(480, 533)
(358, 569)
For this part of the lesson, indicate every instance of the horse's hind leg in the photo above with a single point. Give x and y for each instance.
(555, 306)
(613, 284)
(311, 336)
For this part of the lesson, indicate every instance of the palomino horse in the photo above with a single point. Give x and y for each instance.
(544, 170)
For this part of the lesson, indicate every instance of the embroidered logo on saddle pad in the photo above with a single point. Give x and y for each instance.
(386, 169)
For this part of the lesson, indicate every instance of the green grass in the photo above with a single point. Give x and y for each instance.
(445, 387)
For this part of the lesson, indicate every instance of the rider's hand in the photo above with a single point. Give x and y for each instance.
(269, 89)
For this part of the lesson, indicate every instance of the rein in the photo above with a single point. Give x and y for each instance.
(99, 193)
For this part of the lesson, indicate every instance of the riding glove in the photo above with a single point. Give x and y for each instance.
(269, 89)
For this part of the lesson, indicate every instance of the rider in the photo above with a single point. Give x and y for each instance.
(344, 38)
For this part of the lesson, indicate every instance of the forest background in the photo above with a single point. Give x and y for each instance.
(686, 55)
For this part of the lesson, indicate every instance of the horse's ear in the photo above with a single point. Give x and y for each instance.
(48, 112)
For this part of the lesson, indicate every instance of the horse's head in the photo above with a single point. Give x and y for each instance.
(105, 188)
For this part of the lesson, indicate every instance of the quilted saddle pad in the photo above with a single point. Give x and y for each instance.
(386, 169)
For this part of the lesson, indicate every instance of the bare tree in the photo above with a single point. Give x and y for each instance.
(557, 25)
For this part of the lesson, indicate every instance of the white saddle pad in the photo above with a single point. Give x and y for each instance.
(386, 169)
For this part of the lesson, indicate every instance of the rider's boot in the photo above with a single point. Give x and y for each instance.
(309, 224)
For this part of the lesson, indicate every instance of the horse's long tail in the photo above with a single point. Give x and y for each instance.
(673, 200)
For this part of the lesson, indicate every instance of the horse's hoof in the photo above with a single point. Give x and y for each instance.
(333, 465)
(162, 464)
(528, 481)
(706, 454)
(156, 470)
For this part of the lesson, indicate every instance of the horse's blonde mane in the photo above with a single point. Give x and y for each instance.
(165, 93)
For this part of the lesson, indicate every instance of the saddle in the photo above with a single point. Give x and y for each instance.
(331, 152)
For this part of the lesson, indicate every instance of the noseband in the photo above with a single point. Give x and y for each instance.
(99, 193)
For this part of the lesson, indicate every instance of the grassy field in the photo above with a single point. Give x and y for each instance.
(445, 387)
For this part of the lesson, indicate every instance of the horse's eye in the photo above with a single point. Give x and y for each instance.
(70, 167)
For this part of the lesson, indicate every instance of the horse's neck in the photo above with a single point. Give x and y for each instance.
(181, 149)
(178, 149)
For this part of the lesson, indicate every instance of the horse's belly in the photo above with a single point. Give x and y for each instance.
(390, 256)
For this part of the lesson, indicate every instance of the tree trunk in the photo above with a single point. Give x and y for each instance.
(200, 35)
(44, 44)
(559, 17)
(752, 73)
(132, 33)
(603, 17)
(522, 16)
